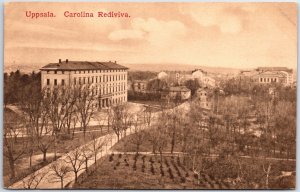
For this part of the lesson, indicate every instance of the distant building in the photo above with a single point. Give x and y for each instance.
(273, 77)
(139, 85)
(107, 79)
(209, 82)
(179, 92)
(266, 75)
(203, 98)
(198, 74)
(203, 78)
(162, 75)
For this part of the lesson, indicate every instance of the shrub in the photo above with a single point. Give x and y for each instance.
(182, 180)
(166, 162)
(111, 158)
(162, 171)
(152, 169)
(170, 173)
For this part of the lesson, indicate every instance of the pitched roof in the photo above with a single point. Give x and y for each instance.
(274, 69)
(82, 65)
(179, 89)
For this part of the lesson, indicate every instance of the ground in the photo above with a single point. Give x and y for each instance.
(115, 173)
(65, 145)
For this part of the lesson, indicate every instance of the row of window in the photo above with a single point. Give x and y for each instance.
(268, 80)
(90, 71)
(100, 79)
(107, 90)
(55, 82)
(100, 71)
(103, 90)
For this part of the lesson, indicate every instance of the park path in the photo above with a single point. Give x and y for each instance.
(49, 181)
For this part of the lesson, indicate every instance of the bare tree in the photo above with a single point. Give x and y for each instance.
(33, 180)
(139, 135)
(86, 105)
(59, 104)
(121, 120)
(75, 159)
(86, 156)
(14, 149)
(59, 171)
(97, 145)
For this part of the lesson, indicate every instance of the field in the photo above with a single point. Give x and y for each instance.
(119, 171)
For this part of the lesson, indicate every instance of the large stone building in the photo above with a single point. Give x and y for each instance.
(108, 79)
(266, 75)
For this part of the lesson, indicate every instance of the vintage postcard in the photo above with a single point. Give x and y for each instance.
(149, 95)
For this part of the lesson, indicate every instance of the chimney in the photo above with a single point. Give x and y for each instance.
(115, 61)
(67, 60)
(59, 61)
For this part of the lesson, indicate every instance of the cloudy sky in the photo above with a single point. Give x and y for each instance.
(238, 35)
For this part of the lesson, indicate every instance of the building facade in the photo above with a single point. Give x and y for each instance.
(107, 79)
(179, 92)
(203, 98)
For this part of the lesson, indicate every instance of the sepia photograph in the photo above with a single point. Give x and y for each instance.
(150, 95)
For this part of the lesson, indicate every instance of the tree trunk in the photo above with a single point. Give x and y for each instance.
(44, 155)
(173, 142)
(86, 165)
(62, 182)
(76, 177)
(12, 168)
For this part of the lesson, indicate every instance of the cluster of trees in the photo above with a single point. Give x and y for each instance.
(141, 75)
(47, 116)
(244, 126)
(16, 82)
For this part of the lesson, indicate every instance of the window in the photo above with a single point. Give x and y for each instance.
(55, 81)
(84, 80)
(92, 79)
(62, 82)
(79, 81)
(48, 81)
(55, 72)
(47, 72)
(63, 72)
(96, 79)
(74, 80)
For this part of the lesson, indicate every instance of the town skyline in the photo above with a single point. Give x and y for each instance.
(232, 35)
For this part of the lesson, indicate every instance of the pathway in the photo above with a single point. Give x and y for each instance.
(49, 182)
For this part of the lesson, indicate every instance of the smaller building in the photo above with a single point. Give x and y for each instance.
(209, 82)
(162, 75)
(139, 86)
(202, 95)
(179, 92)
(272, 77)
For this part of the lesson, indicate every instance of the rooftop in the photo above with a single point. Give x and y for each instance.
(82, 65)
(274, 69)
(179, 89)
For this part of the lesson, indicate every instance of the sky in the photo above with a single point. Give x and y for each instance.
(235, 35)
